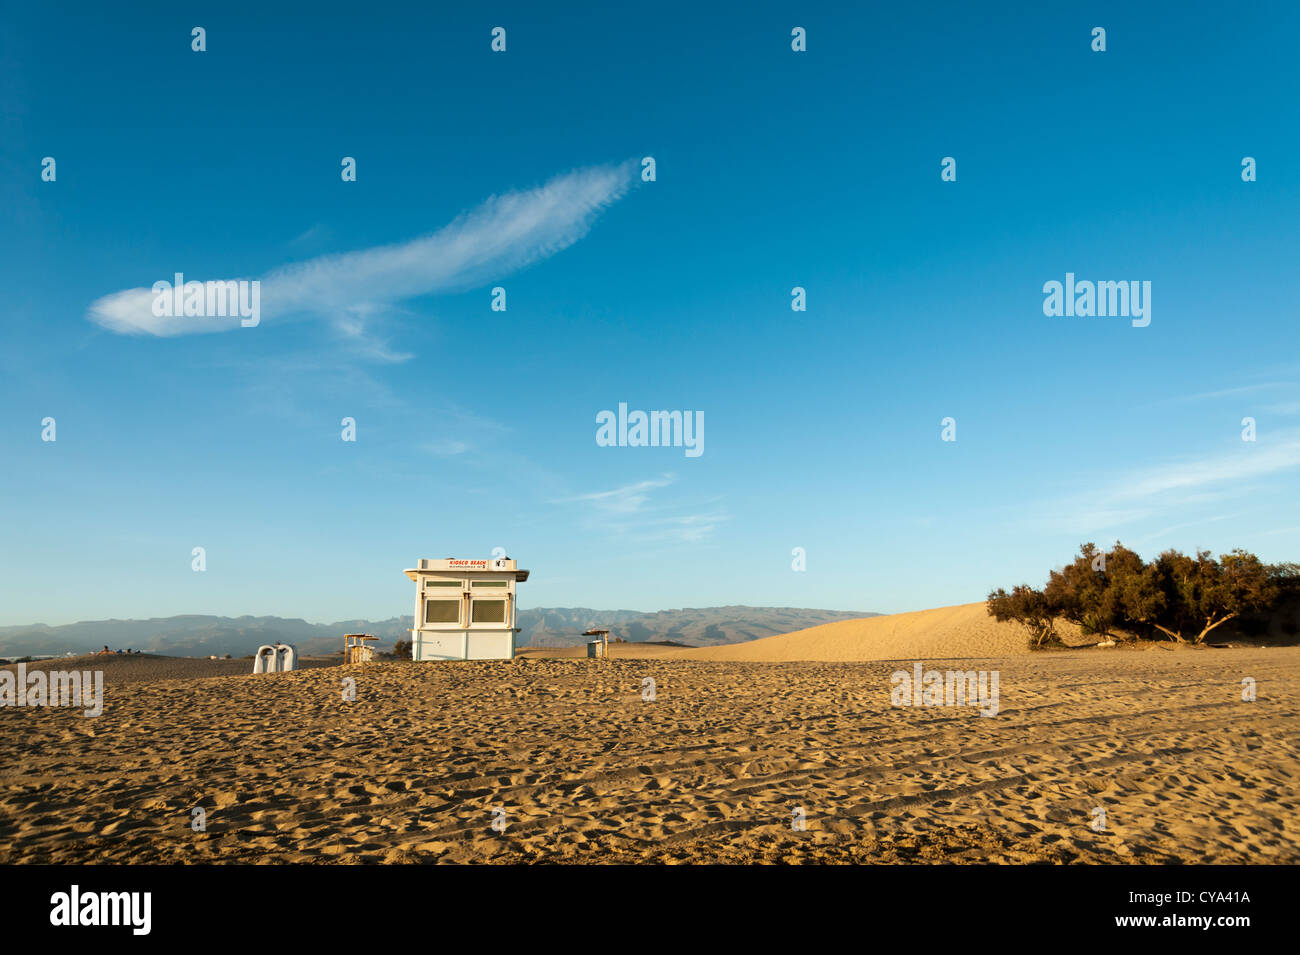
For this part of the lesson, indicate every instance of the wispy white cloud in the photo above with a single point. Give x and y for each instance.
(627, 511)
(502, 235)
(1230, 392)
(311, 236)
(354, 332)
(1177, 487)
(466, 436)
(629, 499)
(1253, 460)
(686, 529)
(1295, 529)
(1164, 532)
(447, 449)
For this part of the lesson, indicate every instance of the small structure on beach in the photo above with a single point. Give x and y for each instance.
(355, 649)
(275, 659)
(465, 609)
(597, 649)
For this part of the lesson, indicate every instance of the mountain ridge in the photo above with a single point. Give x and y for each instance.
(211, 634)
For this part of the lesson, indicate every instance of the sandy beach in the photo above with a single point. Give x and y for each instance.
(582, 769)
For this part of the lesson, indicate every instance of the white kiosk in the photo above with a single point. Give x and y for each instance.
(464, 609)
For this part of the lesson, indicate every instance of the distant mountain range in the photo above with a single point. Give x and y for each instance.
(198, 635)
(703, 627)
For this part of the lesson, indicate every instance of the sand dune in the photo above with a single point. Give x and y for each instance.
(965, 630)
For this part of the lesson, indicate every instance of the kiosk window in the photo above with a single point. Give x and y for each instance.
(490, 583)
(489, 611)
(442, 611)
(442, 583)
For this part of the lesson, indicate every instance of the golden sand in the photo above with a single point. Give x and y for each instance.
(583, 769)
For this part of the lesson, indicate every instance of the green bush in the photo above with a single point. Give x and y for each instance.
(1176, 596)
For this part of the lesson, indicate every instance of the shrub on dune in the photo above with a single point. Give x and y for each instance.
(1176, 596)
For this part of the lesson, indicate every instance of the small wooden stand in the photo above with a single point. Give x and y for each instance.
(355, 649)
(597, 649)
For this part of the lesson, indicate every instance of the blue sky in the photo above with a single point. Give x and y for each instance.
(476, 429)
